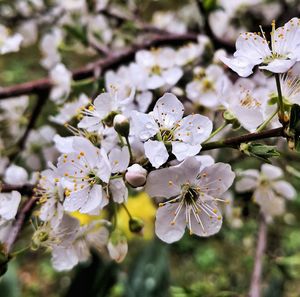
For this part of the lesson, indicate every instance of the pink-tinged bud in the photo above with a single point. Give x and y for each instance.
(136, 175)
(117, 246)
(121, 125)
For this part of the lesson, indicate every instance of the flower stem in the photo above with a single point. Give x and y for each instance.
(129, 148)
(266, 123)
(127, 211)
(216, 132)
(14, 254)
(279, 98)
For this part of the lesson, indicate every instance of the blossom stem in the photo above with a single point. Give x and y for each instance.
(279, 98)
(266, 123)
(127, 211)
(216, 132)
(129, 148)
(14, 254)
(121, 140)
(234, 142)
(255, 286)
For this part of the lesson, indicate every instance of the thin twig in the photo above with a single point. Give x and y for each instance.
(40, 103)
(19, 222)
(255, 287)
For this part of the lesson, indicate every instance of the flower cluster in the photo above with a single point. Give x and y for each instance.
(145, 126)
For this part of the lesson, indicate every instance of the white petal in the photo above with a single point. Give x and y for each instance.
(64, 144)
(216, 179)
(155, 82)
(83, 145)
(94, 199)
(145, 58)
(211, 224)
(9, 204)
(205, 161)
(104, 104)
(271, 172)
(284, 189)
(76, 200)
(104, 167)
(143, 125)
(183, 150)
(279, 65)
(247, 182)
(172, 75)
(193, 129)
(16, 175)
(243, 67)
(64, 258)
(166, 231)
(287, 39)
(118, 190)
(156, 152)
(168, 110)
(253, 47)
(167, 182)
(119, 159)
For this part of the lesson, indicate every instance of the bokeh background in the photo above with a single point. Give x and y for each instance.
(218, 266)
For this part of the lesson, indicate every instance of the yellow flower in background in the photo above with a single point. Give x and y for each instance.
(86, 219)
(140, 206)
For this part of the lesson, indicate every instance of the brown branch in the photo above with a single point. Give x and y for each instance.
(255, 287)
(41, 101)
(113, 61)
(19, 222)
(26, 189)
(234, 142)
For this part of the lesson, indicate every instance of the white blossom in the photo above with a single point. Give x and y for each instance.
(253, 49)
(192, 196)
(9, 43)
(269, 190)
(166, 127)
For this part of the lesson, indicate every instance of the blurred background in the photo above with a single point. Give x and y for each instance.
(218, 266)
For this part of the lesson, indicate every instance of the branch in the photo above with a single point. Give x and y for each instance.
(113, 61)
(41, 101)
(260, 250)
(234, 142)
(17, 226)
(26, 189)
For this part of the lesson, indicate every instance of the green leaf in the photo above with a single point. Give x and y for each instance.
(260, 151)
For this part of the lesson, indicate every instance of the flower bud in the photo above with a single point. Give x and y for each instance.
(136, 225)
(117, 246)
(136, 175)
(121, 125)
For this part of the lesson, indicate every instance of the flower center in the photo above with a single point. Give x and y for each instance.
(156, 70)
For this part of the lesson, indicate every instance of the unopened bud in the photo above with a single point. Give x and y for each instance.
(121, 125)
(136, 225)
(136, 175)
(117, 246)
